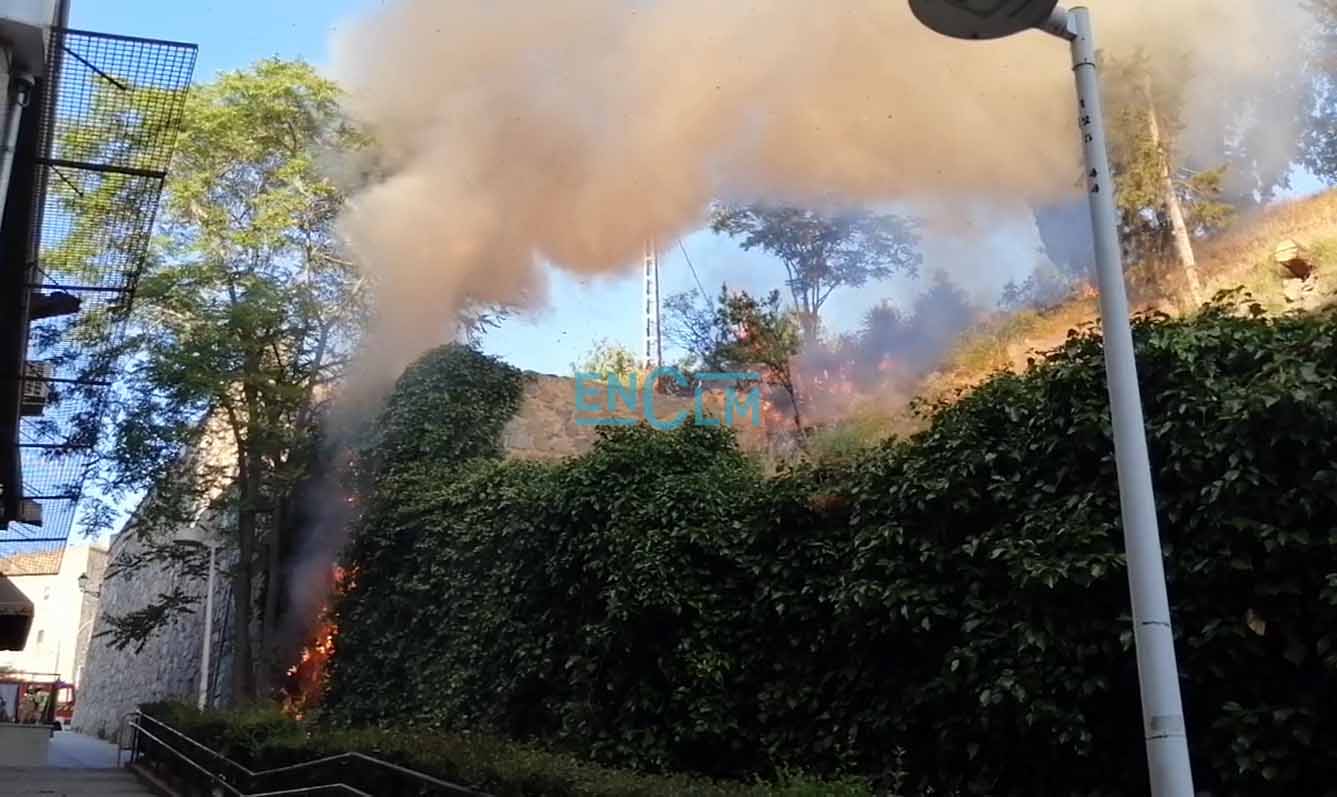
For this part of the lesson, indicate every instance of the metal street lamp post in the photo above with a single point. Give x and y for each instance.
(1158, 673)
(202, 700)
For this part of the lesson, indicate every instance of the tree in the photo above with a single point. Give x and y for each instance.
(1066, 238)
(476, 321)
(692, 324)
(764, 337)
(1045, 287)
(1163, 206)
(915, 341)
(822, 253)
(606, 358)
(1319, 145)
(239, 333)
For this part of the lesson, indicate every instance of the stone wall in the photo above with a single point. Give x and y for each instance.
(547, 425)
(115, 681)
(95, 569)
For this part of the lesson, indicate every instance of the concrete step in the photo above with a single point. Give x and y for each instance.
(49, 782)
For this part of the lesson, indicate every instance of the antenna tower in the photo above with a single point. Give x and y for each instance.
(652, 350)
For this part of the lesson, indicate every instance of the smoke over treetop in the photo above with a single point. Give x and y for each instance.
(570, 132)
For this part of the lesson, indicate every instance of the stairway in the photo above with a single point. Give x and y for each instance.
(34, 781)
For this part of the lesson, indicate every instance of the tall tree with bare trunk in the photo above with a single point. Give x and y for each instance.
(242, 324)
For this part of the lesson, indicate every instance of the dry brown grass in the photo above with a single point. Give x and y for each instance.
(1241, 256)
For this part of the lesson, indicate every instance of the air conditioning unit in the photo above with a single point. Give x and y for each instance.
(30, 512)
(36, 388)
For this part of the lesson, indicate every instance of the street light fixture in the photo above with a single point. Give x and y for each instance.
(83, 587)
(983, 19)
(1158, 672)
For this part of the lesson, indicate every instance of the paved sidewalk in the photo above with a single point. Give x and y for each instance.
(53, 782)
(70, 750)
(76, 766)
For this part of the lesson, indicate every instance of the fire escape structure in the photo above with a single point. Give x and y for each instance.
(652, 349)
(97, 130)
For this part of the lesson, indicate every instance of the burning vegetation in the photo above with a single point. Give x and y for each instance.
(305, 681)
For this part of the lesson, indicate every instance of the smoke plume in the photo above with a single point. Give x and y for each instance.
(517, 133)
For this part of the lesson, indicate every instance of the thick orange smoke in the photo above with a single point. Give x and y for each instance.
(516, 133)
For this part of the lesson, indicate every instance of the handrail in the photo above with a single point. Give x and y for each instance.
(136, 717)
(221, 782)
(120, 735)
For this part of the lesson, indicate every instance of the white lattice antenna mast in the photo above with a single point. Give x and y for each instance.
(652, 350)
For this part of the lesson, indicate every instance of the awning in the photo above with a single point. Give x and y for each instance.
(15, 616)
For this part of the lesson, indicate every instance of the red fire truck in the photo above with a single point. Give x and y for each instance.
(36, 698)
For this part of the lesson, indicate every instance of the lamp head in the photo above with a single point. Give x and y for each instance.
(982, 19)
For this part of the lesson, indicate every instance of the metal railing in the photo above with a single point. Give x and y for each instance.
(168, 739)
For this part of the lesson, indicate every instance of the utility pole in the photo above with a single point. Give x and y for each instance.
(203, 701)
(652, 349)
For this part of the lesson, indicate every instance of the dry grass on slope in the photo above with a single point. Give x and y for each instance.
(1240, 257)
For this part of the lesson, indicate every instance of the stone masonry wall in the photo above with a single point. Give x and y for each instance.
(546, 426)
(115, 681)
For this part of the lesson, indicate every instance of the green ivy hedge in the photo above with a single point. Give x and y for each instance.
(658, 603)
(262, 739)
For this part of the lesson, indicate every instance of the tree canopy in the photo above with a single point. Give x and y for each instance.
(606, 358)
(242, 326)
(822, 253)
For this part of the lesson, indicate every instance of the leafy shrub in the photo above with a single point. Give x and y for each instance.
(451, 404)
(658, 603)
(264, 739)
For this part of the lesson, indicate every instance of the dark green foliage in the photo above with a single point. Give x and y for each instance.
(260, 740)
(447, 411)
(658, 603)
(449, 406)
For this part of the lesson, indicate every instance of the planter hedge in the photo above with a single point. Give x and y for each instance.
(660, 604)
(261, 739)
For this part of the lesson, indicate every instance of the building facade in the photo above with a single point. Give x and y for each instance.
(63, 616)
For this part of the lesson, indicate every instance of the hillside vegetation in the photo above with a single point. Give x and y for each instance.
(959, 597)
(1239, 260)
(1241, 257)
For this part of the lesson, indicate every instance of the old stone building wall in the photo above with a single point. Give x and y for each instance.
(547, 425)
(95, 569)
(116, 681)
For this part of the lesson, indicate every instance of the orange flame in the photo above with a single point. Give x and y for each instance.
(306, 678)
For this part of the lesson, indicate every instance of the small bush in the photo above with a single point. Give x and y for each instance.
(262, 739)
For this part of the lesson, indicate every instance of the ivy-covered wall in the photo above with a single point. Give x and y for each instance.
(959, 596)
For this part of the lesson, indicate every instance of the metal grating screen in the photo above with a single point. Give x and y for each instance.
(108, 131)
